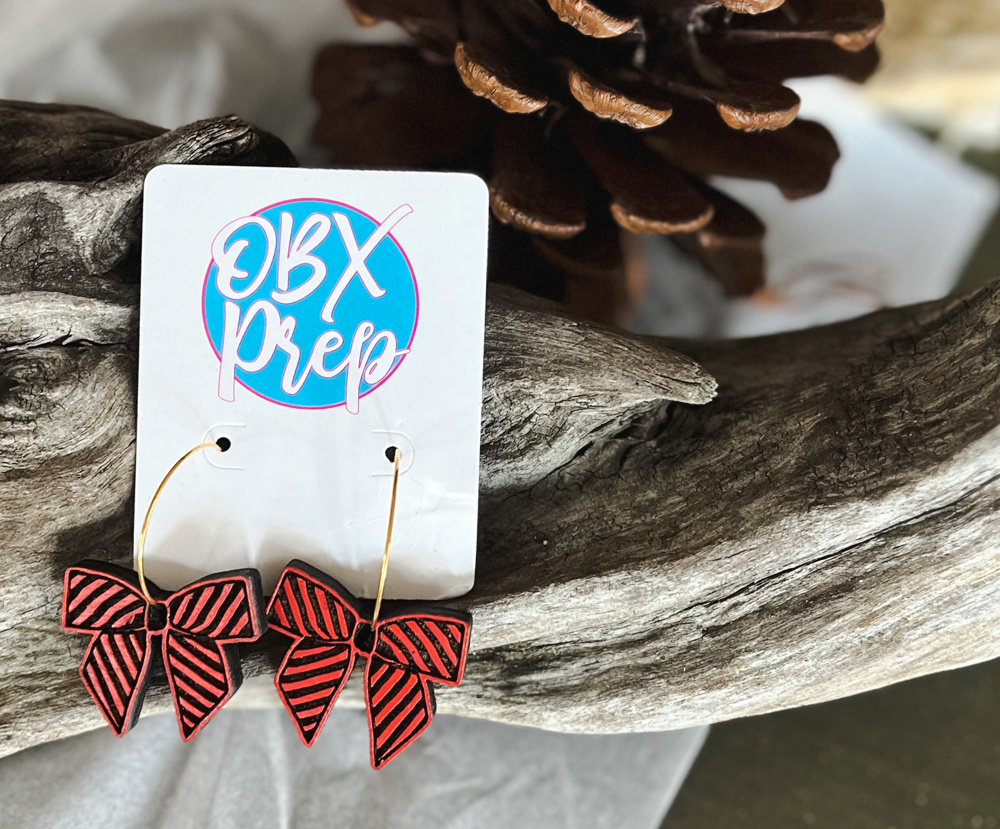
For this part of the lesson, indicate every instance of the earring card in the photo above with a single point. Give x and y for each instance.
(317, 319)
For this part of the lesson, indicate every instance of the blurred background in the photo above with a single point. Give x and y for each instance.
(910, 215)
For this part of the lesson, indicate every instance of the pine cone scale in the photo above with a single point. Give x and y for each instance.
(648, 194)
(851, 24)
(776, 61)
(613, 103)
(382, 106)
(594, 118)
(752, 6)
(534, 187)
(488, 78)
(588, 19)
(798, 159)
(752, 107)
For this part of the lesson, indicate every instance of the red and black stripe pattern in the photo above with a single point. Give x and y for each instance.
(309, 604)
(322, 617)
(221, 608)
(202, 675)
(115, 672)
(310, 679)
(400, 706)
(412, 649)
(105, 601)
(199, 625)
(433, 645)
(108, 598)
(406, 651)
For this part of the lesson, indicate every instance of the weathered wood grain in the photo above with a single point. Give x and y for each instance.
(825, 526)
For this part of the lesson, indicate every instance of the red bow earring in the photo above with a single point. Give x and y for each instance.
(197, 629)
(406, 649)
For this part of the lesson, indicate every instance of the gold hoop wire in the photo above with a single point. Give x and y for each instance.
(397, 459)
(149, 512)
(388, 537)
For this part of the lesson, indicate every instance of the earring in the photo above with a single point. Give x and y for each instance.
(198, 627)
(406, 649)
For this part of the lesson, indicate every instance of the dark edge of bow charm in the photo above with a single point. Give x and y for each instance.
(199, 627)
(411, 646)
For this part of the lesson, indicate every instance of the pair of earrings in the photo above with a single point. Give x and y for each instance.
(199, 628)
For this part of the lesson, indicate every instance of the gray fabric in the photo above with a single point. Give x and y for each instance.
(248, 770)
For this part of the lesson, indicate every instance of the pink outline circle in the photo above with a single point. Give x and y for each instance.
(416, 317)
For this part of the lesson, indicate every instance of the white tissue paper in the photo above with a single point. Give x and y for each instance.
(896, 226)
(248, 770)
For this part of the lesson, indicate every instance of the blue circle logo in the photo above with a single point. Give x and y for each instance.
(309, 303)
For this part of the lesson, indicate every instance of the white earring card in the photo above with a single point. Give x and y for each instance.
(317, 319)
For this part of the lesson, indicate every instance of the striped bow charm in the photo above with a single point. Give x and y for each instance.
(198, 628)
(406, 651)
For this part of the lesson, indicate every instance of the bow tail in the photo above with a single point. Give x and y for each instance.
(400, 705)
(115, 672)
(311, 677)
(202, 675)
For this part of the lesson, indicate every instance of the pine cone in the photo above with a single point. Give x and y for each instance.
(682, 90)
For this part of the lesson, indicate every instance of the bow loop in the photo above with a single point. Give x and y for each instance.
(225, 607)
(431, 642)
(309, 604)
(99, 596)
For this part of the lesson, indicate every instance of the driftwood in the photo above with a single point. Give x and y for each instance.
(824, 527)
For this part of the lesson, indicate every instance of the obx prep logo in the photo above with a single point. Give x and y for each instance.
(309, 303)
